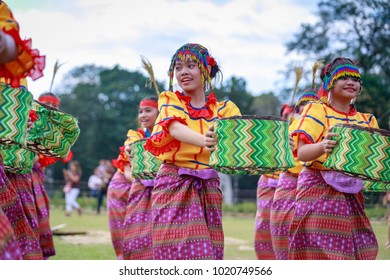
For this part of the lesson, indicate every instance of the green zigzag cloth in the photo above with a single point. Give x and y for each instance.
(53, 133)
(251, 145)
(362, 152)
(16, 159)
(15, 106)
(144, 164)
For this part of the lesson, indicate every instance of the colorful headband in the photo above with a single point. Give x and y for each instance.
(345, 70)
(49, 99)
(307, 97)
(287, 110)
(196, 53)
(148, 103)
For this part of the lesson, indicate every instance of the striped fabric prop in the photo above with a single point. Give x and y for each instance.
(17, 159)
(144, 164)
(53, 133)
(375, 186)
(362, 152)
(14, 109)
(251, 145)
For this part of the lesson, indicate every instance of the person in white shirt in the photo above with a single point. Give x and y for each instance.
(95, 183)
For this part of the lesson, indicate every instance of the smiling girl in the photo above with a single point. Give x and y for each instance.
(187, 198)
(121, 183)
(328, 222)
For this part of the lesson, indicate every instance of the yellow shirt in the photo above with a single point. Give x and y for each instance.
(315, 120)
(175, 106)
(122, 160)
(134, 135)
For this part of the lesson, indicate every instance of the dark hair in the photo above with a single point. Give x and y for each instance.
(151, 97)
(77, 165)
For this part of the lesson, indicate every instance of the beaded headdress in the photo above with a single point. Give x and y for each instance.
(196, 53)
(309, 96)
(343, 70)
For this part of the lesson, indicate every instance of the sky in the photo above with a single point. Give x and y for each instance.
(246, 37)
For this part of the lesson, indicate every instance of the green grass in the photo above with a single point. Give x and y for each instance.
(239, 237)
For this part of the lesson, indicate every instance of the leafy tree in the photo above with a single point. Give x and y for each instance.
(357, 29)
(266, 104)
(235, 90)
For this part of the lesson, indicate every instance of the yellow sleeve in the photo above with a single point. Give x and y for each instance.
(132, 135)
(171, 109)
(374, 122)
(170, 106)
(298, 166)
(311, 125)
(228, 109)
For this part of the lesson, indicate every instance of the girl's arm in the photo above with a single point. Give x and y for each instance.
(185, 134)
(128, 176)
(309, 152)
(8, 48)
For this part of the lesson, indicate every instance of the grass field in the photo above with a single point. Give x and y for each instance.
(94, 243)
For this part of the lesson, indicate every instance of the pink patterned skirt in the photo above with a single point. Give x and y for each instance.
(265, 195)
(328, 224)
(17, 201)
(137, 241)
(117, 196)
(9, 247)
(282, 211)
(42, 205)
(187, 214)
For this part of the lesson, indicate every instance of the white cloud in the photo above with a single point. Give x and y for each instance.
(246, 37)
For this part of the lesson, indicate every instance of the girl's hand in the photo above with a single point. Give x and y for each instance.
(128, 152)
(328, 144)
(291, 142)
(210, 139)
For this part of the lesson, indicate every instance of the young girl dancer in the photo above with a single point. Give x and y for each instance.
(328, 222)
(121, 183)
(282, 207)
(187, 198)
(137, 242)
